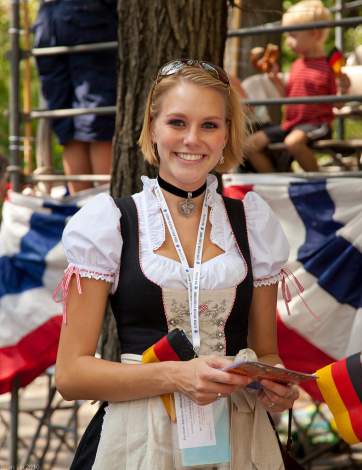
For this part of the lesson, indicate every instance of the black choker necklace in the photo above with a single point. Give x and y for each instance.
(187, 206)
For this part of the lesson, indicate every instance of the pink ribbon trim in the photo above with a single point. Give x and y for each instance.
(286, 274)
(63, 288)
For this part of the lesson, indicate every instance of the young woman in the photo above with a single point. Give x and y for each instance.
(170, 258)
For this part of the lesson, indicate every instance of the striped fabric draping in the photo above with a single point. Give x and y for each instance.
(322, 219)
(32, 262)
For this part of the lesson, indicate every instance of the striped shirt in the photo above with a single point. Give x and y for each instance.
(309, 77)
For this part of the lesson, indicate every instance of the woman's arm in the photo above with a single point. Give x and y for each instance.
(263, 340)
(262, 337)
(79, 375)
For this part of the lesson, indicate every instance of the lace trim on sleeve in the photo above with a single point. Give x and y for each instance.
(267, 281)
(61, 292)
(96, 275)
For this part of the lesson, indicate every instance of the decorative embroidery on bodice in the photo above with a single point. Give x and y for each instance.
(214, 309)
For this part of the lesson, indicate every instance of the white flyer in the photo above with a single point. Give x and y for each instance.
(195, 424)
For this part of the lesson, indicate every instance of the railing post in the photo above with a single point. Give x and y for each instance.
(14, 105)
(14, 424)
(340, 129)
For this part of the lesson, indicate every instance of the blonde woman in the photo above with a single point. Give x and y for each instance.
(173, 255)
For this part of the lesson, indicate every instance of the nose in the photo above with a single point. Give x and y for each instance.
(191, 136)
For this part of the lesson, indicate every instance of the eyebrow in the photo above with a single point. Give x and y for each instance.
(207, 118)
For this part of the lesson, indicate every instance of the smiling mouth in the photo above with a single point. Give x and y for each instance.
(190, 157)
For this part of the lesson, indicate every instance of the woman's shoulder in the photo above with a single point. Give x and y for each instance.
(268, 244)
(98, 211)
(93, 234)
(257, 210)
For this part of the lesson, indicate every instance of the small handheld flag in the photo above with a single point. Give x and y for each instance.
(341, 386)
(175, 346)
(336, 61)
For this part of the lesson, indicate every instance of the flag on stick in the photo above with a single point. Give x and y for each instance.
(175, 346)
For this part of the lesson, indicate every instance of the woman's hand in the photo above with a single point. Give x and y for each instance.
(203, 381)
(276, 396)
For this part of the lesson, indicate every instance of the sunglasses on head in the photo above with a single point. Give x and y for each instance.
(176, 65)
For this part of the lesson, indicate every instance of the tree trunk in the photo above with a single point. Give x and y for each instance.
(151, 33)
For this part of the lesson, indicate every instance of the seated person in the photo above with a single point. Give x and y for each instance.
(310, 75)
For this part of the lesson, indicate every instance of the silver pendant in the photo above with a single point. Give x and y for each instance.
(186, 207)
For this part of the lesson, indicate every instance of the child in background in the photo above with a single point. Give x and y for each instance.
(310, 75)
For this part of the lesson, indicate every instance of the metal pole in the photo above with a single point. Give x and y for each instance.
(14, 111)
(14, 424)
(79, 48)
(340, 129)
(107, 110)
(304, 100)
(277, 28)
(33, 179)
(71, 112)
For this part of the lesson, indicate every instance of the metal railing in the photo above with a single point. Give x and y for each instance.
(278, 28)
(15, 114)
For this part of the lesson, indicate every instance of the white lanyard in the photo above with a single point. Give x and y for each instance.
(193, 284)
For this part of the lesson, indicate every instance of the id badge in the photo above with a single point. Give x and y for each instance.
(203, 432)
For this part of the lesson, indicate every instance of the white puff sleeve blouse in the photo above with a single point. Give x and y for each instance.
(93, 243)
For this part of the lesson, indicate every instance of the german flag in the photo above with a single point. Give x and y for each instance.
(336, 61)
(175, 346)
(340, 383)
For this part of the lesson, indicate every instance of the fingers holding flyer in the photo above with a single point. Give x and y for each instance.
(277, 385)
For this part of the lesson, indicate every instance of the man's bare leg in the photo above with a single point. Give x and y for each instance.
(254, 146)
(76, 161)
(296, 142)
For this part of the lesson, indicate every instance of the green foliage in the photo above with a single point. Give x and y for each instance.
(4, 76)
(353, 36)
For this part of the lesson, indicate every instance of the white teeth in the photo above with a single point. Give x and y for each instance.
(189, 156)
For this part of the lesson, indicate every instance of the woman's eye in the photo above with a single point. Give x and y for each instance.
(176, 122)
(209, 125)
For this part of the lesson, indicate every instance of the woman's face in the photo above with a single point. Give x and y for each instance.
(190, 132)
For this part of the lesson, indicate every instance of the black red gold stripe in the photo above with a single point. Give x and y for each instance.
(341, 386)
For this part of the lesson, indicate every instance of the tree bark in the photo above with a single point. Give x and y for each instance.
(151, 33)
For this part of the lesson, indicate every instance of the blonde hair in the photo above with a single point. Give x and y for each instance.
(307, 11)
(235, 118)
